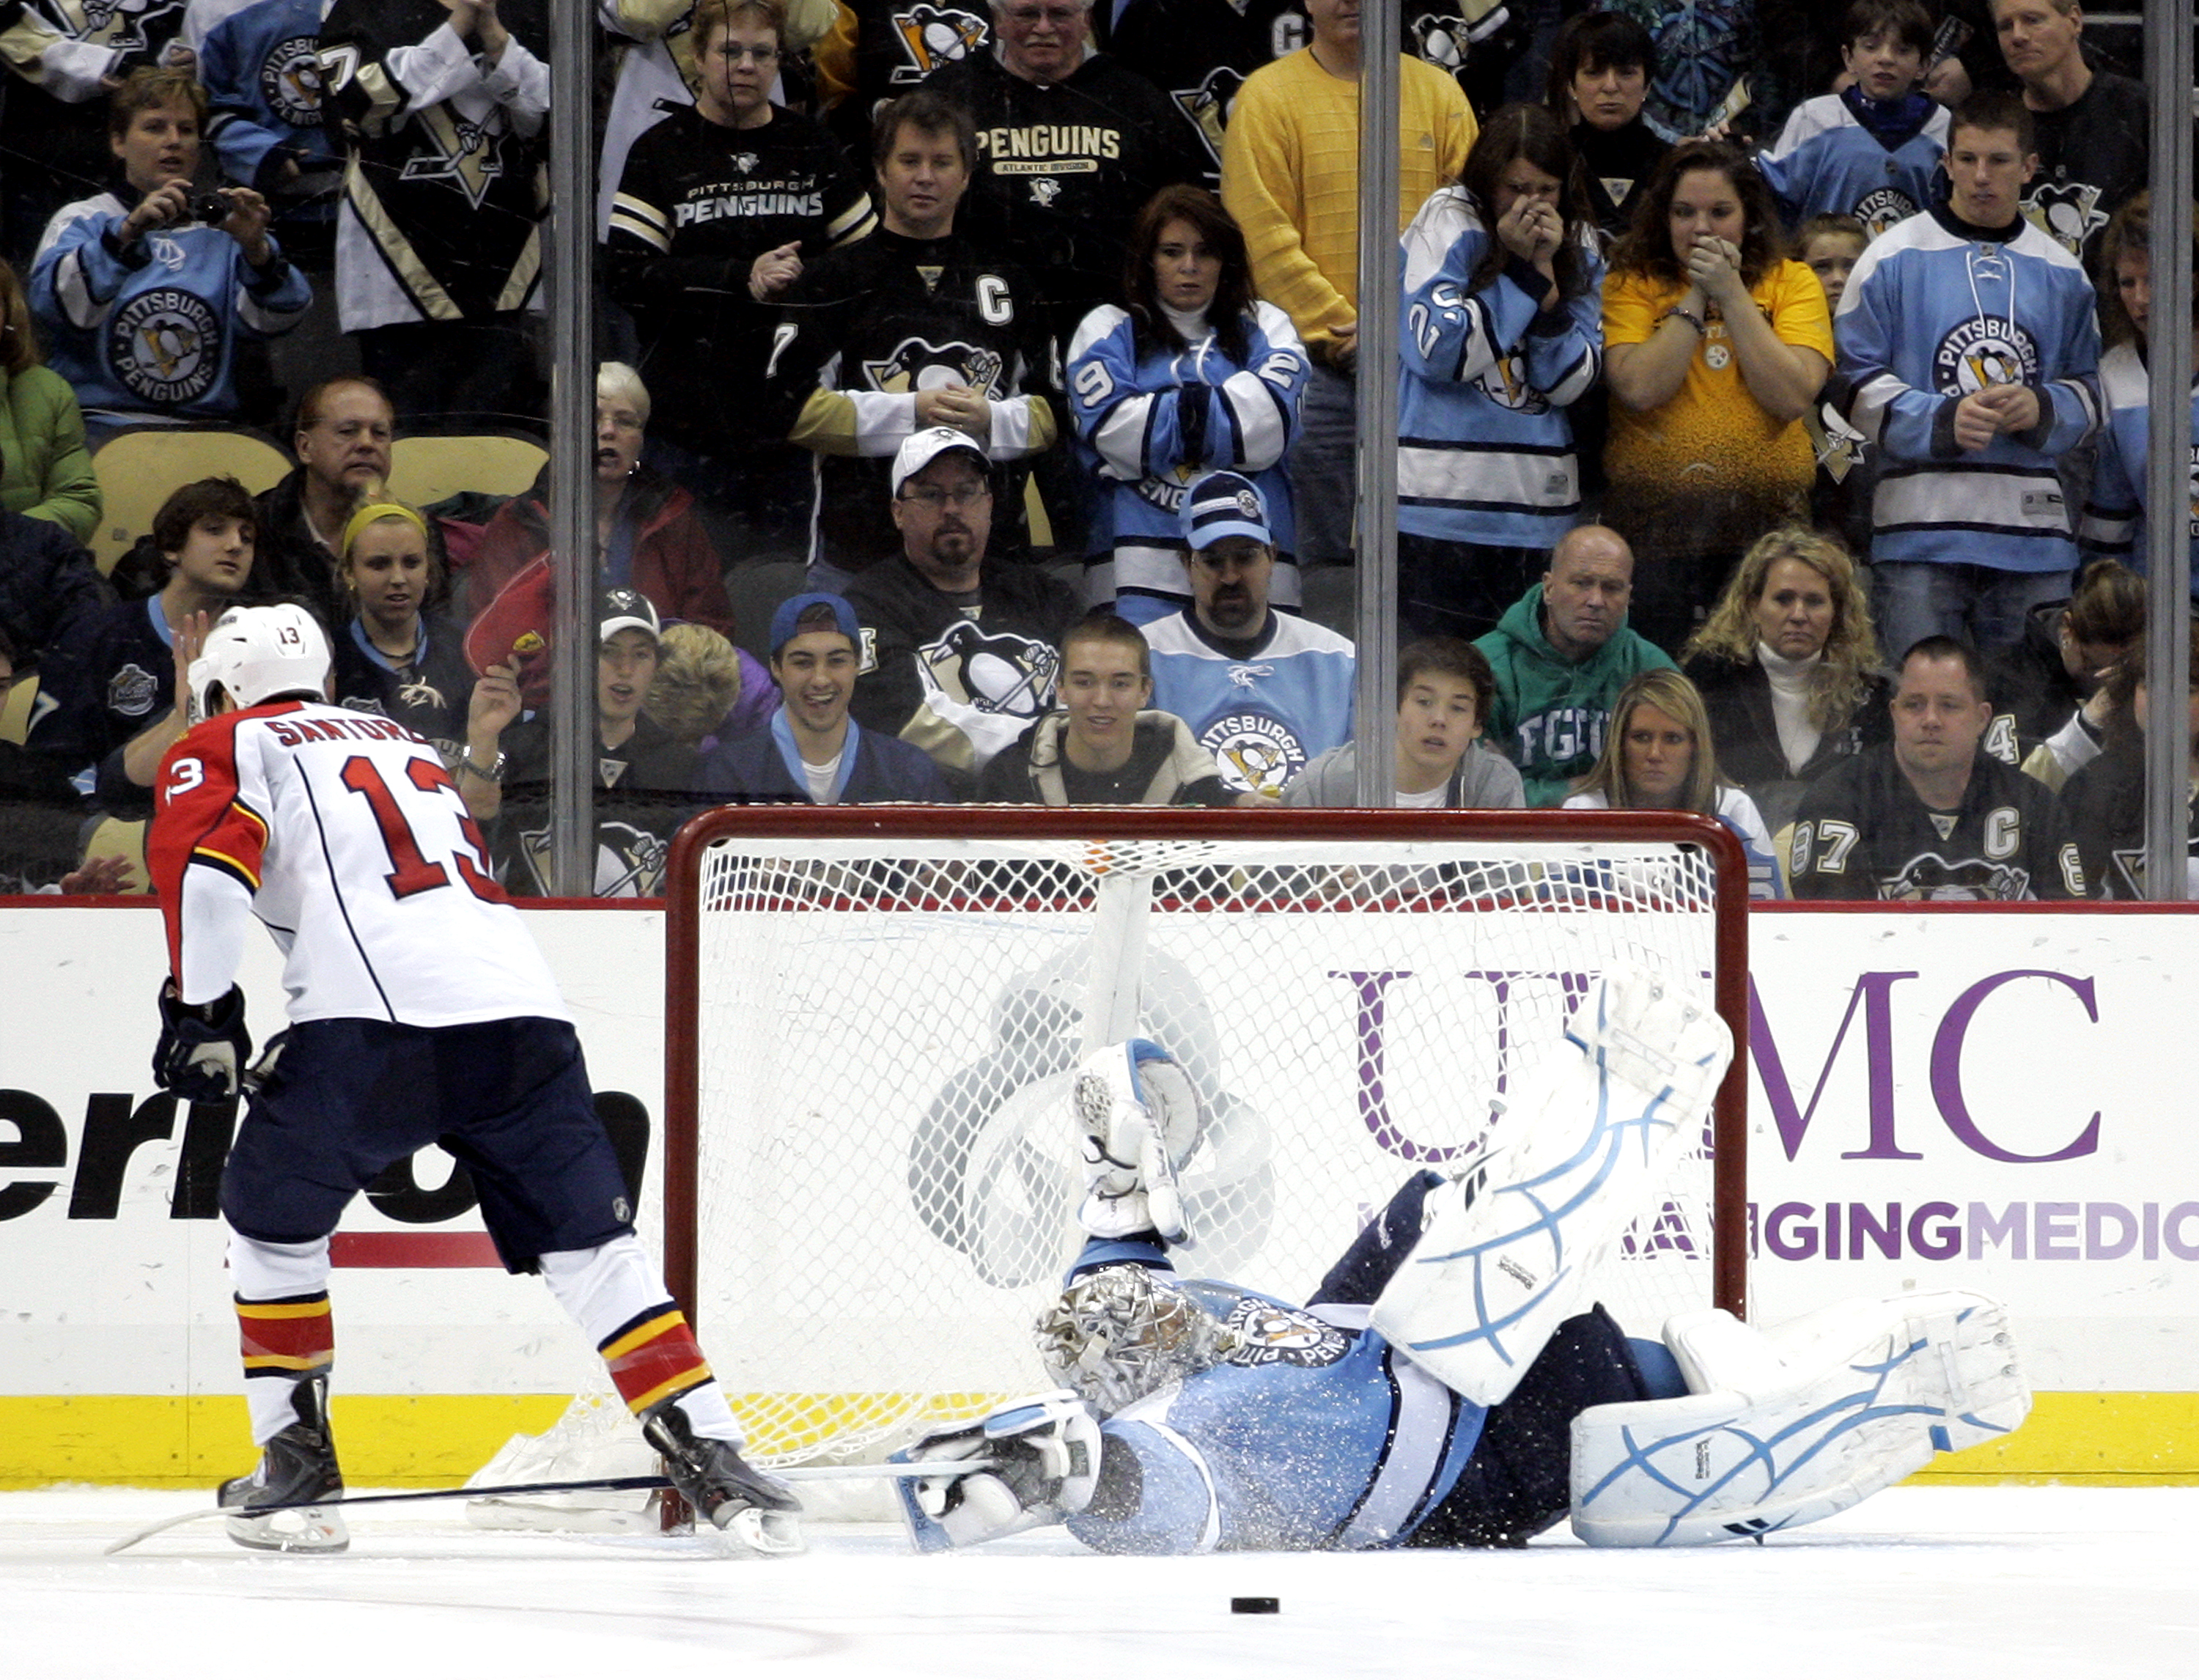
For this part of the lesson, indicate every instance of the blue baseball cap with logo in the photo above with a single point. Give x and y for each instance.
(1224, 505)
(782, 622)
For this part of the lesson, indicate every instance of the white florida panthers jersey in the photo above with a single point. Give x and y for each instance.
(344, 834)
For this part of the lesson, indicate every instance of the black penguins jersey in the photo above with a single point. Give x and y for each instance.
(868, 326)
(1062, 171)
(1861, 833)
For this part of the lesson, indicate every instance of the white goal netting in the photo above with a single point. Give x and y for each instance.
(885, 1174)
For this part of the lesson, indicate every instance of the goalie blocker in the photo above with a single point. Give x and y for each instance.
(1204, 1416)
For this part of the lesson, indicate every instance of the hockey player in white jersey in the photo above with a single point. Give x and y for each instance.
(1450, 1383)
(420, 1011)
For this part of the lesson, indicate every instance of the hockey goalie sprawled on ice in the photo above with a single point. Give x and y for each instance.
(1449, 1385)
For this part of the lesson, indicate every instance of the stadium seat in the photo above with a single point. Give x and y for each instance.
(139, 467)
(425, 469)
(15, 715)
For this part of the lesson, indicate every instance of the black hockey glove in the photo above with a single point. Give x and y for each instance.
(202, 1046)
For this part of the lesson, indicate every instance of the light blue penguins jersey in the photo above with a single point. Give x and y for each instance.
(1934, 311)
(152, 333)
(1264, 713)
(1152, 424)
(1827, 164)
(261, 67)
(1484, 442)
(2114, 510)
(1316, 1434)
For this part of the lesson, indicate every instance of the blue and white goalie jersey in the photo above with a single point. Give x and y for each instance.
(1313, 1434)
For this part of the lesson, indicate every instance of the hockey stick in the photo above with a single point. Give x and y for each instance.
(801, 1472)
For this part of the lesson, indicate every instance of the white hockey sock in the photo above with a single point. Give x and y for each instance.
(282, 1308)
(614, 1287)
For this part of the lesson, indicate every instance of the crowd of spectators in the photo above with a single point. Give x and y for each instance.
(1772, 414)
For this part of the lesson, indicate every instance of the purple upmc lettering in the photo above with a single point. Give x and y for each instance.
(1947, 1071)
(1873, 993)
(1372, 987)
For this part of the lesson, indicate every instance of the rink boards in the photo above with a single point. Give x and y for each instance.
(1996, 1099)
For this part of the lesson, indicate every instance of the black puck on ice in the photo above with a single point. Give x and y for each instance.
(1256, 1607)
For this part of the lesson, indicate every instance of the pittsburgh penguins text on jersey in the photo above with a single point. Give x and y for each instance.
(698, 204)
(1861, 832)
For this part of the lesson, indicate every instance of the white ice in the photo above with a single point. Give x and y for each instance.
(1998, 1582)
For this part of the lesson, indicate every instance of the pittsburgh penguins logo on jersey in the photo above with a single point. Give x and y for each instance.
(131, 690)
(290, 81)
(1258, 751)
(1206, 108)
(919, 364)
(164, 346)
(465, 155)
(1881, 208)
(1045, 190)
(1441, 41)
(931, 36)
(1986, 350)
(126, 26)
(1929, 878)
(1000, 676)
(629, 861)
(1271, 1334)
(2066, 212)
(1506, 384)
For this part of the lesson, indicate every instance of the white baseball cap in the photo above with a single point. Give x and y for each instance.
(920, 449)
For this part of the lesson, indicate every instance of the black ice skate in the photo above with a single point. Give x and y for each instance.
(754, 1509)
(300, 1463)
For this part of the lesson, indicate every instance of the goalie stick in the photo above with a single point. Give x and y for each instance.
(803, 1472)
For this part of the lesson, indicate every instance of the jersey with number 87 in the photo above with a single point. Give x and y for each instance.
(345, 834)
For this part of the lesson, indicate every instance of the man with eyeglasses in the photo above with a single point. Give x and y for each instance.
(341, 440)
(964, 646)
(1071, 144)
(721, 205)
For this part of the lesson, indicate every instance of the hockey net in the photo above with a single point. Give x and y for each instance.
(873, 1017)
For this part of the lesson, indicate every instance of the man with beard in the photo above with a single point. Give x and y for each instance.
(1265, 692)
(963, 646)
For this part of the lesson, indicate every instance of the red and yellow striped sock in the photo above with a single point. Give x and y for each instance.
(286, 1341)
(654, 1357)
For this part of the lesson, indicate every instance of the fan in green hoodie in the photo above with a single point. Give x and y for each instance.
(1560, 656)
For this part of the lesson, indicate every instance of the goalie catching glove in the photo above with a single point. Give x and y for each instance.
(203, 1046)
(1137, 1118)
(1045, 1457)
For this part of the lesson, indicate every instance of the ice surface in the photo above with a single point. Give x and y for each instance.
(1998, 1582)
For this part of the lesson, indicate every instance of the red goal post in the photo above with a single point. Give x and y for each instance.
(871, 1012)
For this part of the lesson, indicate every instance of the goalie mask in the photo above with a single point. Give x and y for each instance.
(259, 653)
(1119, 1333)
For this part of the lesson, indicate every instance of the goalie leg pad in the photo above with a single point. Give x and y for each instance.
(1508, 1247)
(1843, 1404)
(1137, 1119)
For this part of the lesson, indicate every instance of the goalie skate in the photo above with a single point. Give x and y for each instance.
(1505, 1254)
(1798, 1424)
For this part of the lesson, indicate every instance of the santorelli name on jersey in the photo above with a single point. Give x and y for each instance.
(298, 732)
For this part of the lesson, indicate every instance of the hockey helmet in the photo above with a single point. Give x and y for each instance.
(259, 653)
(1120, 1334)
